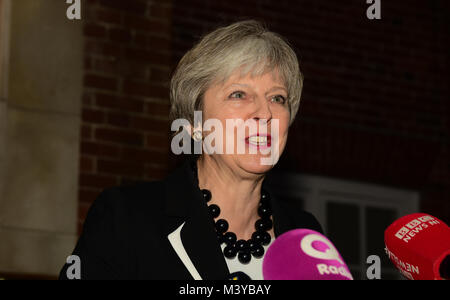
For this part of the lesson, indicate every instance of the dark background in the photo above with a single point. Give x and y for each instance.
(374, 107)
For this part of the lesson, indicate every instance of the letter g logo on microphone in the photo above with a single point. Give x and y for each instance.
(331, 253)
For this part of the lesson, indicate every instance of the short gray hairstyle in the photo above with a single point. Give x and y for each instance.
(247, 45)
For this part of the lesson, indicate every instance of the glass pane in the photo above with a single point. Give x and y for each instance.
(343, 228)
(377, 220)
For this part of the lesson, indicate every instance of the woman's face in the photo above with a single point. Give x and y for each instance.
(261, 99)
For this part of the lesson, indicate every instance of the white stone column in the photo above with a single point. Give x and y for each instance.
(40, 121)
(5, 8)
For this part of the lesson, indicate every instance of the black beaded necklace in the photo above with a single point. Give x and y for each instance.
(242, 248)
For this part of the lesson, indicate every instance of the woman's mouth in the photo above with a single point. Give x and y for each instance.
(261, 141)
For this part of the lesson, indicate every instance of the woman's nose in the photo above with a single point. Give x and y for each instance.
(263, 111)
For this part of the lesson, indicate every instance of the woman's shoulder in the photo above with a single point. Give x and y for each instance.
(126, 207)
(142, 195)
(116, 222)
(145, 201)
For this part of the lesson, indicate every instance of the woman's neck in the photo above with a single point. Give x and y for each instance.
(237, 196)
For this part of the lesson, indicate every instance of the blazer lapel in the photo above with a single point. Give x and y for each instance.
(190, 229)
(177, 244)
(193, 238)
(281, 223)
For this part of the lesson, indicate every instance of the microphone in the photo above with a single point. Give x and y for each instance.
(419, 246)
(303, 254)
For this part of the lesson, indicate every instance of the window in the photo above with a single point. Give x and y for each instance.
(353, 215)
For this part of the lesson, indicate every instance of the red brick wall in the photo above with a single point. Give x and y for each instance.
(374, 106)
(124, 133)
(375, 102)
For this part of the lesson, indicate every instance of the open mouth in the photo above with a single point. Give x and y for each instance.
(259, 141)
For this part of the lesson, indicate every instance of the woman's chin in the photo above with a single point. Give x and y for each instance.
(255, 163)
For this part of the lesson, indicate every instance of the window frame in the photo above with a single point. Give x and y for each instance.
(317, 191)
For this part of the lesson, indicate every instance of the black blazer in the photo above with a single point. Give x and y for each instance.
(127, 229)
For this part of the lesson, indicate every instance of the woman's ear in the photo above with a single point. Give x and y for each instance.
(195, 133)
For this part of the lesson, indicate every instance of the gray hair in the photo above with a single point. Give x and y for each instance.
(247, 45)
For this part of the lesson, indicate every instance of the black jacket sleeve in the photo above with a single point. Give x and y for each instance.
(98, 247)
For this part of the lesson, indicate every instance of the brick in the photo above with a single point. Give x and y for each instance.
(145, 89)
(159, 75)
(148, 56)
(126, 137)
(87, 64)
(105, 64)
(149, 124)
(157, 109)
(87, 100)
(94, 30)
(156, 173)
(161, 141)
(136, 70)
(119, 35)
(140, 40)
(86, 132)
(119, 103)
(109, 16)
(97, 181)
(98, 47)
(86, 164)
(92, 116)
(99, 149)
(118, 119)
(120, 168)
(100, 82)
(161, 10)
(159, 44)
(88, 195)
(142, 155)
(156, 27)
(132, 6)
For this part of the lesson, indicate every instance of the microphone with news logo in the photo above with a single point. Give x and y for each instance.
(419, 246)
(303, 254)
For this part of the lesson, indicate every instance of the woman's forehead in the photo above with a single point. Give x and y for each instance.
(238, 77)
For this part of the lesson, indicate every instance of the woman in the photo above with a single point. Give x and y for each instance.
(212, 216)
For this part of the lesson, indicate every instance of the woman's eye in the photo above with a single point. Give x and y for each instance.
(279, 99)
(238, 95)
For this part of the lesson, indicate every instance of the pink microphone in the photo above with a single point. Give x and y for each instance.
(303, 254)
